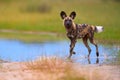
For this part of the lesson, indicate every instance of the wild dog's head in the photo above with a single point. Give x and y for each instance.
(68, 20)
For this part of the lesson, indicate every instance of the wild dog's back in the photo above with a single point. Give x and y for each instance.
(84, 29)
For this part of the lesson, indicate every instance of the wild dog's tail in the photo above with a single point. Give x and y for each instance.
(98, 29)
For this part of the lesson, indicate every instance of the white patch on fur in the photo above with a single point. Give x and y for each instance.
(99, 29)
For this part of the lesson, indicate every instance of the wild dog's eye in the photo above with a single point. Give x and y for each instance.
(66, 20)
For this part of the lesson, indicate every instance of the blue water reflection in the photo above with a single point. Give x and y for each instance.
(15, 50)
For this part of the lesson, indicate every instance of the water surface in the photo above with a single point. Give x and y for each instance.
(16, 50)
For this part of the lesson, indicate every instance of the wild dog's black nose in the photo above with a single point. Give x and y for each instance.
(68, 22)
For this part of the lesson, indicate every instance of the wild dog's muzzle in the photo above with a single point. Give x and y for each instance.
(68, 23)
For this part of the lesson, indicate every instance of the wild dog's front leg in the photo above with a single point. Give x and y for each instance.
(72, 45)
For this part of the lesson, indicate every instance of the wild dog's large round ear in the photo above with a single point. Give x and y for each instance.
(63, 14)
(73, 14)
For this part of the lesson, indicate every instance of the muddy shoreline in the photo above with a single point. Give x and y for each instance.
(19, 71)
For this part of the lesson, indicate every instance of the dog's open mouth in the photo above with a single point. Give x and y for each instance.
(68, 27)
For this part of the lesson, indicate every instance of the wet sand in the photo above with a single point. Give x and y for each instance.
(19, 71)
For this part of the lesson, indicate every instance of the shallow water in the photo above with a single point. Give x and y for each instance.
(15, 50)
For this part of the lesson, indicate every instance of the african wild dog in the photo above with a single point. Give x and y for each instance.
(77, 31)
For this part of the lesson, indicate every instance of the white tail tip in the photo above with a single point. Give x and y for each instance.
(99, 29)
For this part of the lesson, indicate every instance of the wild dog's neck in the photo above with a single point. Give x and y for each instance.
(74, 26)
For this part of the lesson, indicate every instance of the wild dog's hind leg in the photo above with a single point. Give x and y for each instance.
(72, 45)
(94, 43)
(86, 44)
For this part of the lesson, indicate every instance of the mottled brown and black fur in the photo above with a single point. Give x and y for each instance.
(77, 31)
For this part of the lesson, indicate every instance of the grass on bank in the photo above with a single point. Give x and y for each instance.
(43, 15)
(60, 69)
(33, 37)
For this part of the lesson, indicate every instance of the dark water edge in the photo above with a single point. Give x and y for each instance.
(19, 51)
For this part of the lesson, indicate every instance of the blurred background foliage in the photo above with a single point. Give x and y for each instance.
(43, 15)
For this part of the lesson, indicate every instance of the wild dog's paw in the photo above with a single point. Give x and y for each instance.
(74, 52)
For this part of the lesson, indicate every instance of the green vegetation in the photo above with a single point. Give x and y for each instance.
(43, 15)
(32, 37)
